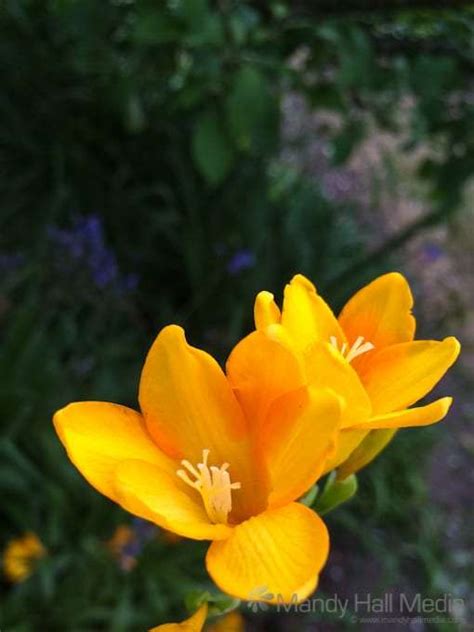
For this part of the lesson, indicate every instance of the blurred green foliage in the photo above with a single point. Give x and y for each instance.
(160, 124)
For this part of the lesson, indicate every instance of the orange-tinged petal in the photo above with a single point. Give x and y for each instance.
(327, 368)
(260, 370)
(347, 441)
(400, 375)
(185, 398)
(421, 416)
(380, 312)
(98, 436)
(306, 316)
(369, 448)
(298, 436)
(195, 623)
(357, 448)
(278, 553)
(266, 311)
(189, 406)
(151, 493)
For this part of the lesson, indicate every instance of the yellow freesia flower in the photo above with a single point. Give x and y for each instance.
(195, 623)
(20, 557)
(368, 355)
(207, 464)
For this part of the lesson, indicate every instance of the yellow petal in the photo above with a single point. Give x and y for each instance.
(369, 448)
(278, 553)
(296, 439)
(260, 370)
(189, 406)
(402, 374)
(306, 316)
(147, 491)
(421, 416)
(326, 368)
(353, 455)
(380, 312)
(185, 398)
(195, 623)
(111, 448)
(98, 436)
(347, 442)
(266, 311)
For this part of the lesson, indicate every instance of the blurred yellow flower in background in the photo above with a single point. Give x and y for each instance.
(128, 542)
(368, 355)
(199, 463)
(122, 536)
(21, 556)
(118, 544)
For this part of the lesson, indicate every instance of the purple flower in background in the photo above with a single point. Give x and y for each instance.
(10, 262)
(84, 244)
(143, 531)
(240, 261)
(432, 251)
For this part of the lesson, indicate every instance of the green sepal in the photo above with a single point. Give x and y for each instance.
(335, 493)
(310, 496)
(218, 602)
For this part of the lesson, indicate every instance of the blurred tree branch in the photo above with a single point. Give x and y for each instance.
(389, 45)
(392, 244)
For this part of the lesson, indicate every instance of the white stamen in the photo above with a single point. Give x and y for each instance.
(358, 348)
(214, 485)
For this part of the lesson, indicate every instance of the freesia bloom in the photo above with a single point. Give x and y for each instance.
(209, 463)
(20, 557)
(195, 623)
(368, 355)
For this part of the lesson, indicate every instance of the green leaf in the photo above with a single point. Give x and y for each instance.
(325, 96)
(335, 493)
(249, 106)
(155, 27)
(211, 150)
(346, 141)
(356, 59)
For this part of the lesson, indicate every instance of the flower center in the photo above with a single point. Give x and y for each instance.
(358, 348)
(214, 485)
